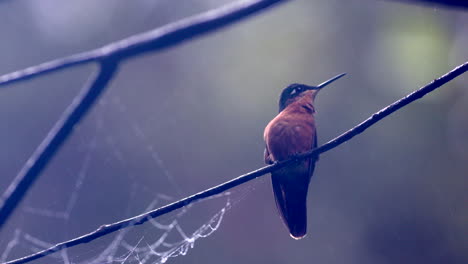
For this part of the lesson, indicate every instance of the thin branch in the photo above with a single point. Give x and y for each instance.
(55, 138)
(390, 109)
(455, 4)
(141, 219)
(154, 40)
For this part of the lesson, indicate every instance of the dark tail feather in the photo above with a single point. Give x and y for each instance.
(290, 190)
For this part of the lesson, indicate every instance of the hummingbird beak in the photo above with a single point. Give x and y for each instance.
(317, 88)
(325, 83)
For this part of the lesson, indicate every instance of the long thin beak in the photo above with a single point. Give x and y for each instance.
(325, 83)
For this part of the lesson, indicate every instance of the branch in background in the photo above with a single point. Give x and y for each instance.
(460, 4)
(55, 138)
(154, 40)
(141, 219)
(163, 37)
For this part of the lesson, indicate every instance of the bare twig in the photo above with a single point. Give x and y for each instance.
(140, 219)
(55, 138)
(390, 109)
(459, 4)
(154, 40)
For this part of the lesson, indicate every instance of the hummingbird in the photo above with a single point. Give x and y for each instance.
(291, 132)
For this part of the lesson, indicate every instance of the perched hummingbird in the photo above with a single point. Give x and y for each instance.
(292, 132)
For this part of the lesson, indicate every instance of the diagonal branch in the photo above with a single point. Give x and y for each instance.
(54, 139)
(159, 38)
(455, 4)
(141, 219)
(154, 40)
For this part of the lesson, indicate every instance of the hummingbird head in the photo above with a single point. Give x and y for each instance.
(296, 90)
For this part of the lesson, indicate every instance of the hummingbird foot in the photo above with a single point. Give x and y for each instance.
(296, 157)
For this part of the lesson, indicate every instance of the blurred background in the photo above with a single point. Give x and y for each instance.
(177, 122)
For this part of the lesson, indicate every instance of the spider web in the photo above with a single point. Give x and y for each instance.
(119, 250)
(96, 144)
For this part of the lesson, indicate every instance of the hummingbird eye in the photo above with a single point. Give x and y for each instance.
(296, 90)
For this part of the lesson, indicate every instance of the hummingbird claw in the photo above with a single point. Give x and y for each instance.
(295, 157)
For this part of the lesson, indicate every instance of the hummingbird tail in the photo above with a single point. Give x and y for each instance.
(290, 190)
